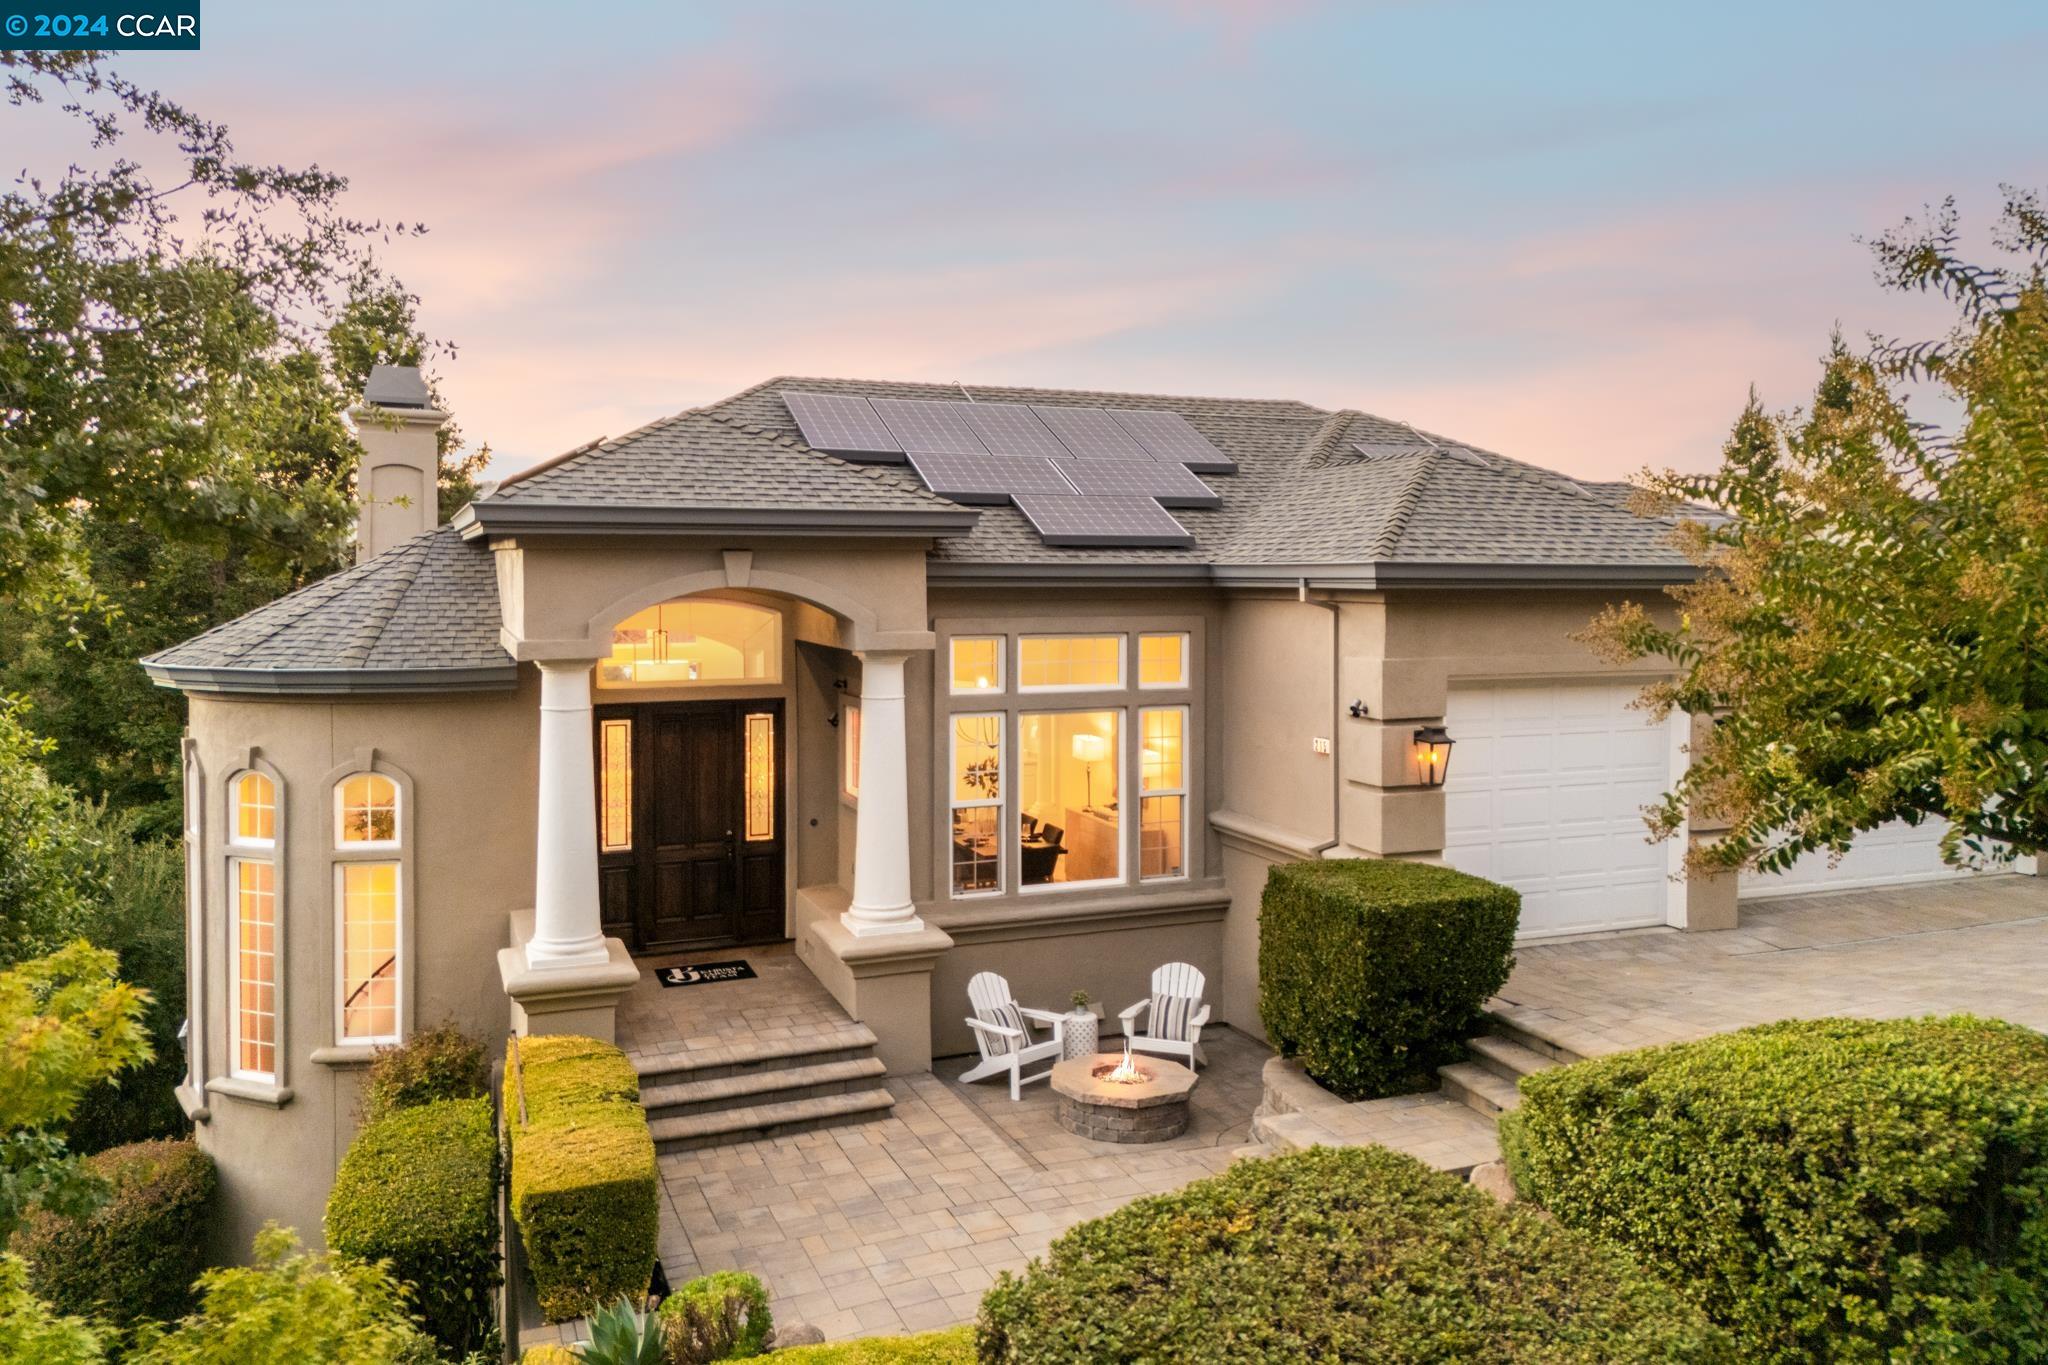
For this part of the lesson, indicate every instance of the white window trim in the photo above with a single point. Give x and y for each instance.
(1181, 791)
(999, 803)
(398, 962)
(235, 839)
(235, 1067)
(347, 845)
(1123, 871)
(1179, 685)
(1118, 684)
(997, 686)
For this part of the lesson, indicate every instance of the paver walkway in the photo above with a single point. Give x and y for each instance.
(901, 1224)
(1976, 946)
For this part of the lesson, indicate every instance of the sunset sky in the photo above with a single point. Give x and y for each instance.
(1575, 233)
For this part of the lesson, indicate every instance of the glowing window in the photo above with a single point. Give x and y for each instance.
(977, 664)
(1069, 771)
(1050, 663)
(1162, 787)
(1163, 660)
(849, 761)
(694, 642)
(760, 779)
(369, 952)
(255, 815)
(255, 882)
(366, 810)
(977, 805)
(615, 781)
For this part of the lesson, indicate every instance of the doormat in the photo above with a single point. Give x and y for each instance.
(701, 973)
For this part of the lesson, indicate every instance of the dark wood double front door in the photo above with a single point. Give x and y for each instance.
(690, 827)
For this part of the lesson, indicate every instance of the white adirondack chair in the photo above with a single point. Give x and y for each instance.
(1002, 1030)
(1174, 1015)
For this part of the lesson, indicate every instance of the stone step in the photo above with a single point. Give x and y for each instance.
(1501, 1026)
(675, 1099)
(719, 1127)
(843, 1043)
(1479, 1089)
(1507, 1058)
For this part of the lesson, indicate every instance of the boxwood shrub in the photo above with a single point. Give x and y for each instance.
(137, 1255)
(1373, 972)
(1835, 1189)
(441, 1063)
(585, 1194)
(953, 1346)
(419, 1188)
(721, 1316)
(1354, 1253)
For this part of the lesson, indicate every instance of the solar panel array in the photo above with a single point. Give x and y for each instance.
(1081, 476)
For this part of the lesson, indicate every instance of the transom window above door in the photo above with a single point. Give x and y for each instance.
(694, 643)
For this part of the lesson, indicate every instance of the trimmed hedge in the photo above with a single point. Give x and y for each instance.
(1373, 972)
(722, 1316)
(137, 1255)
(954, 1346)
(1836, 1189)
(419, 1188)
(441, 1063)
(1354, 1253)
(585, 1193)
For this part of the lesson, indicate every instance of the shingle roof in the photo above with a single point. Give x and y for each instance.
(1357, 497)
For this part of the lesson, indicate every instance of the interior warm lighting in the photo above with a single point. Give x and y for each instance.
(657, 646)
(1433, 752)
(694, 640)
(1090, 749)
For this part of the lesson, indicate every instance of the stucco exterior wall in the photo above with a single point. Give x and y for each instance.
(470, 761)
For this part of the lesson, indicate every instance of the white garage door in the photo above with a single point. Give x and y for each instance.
(1893, 855)
(1545, 793)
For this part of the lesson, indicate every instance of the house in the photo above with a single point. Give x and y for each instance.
(929, 679)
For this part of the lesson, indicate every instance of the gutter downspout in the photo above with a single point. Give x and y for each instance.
(1336, 610)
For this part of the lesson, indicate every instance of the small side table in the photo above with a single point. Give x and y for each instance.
(1078, 1035)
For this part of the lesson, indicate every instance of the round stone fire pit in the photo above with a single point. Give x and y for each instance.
(1152, 1108)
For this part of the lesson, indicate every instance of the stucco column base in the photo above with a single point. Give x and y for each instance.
(552, 999)
(881, 980)
(1711, 901)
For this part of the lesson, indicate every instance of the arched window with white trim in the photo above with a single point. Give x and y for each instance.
(253, 905)
(369, 898)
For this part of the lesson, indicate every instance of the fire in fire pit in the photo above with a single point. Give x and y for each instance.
(1126, 1072)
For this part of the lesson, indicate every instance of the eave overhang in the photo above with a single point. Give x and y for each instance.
(1355, 577)
(331, 682)
(585, 519)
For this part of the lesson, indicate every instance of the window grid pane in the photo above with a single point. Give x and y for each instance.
(760, 779)
(1068, 809)
(1160, 825)
(369, 809)
(616, 782)
(369, 951)
(977, 664)
(977, 852)
(1071, 661)
(255, 809)
(977, 799)
(255, 968)
(1162, 782)
(1162, 660)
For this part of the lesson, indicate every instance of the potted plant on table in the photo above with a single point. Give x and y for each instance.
(1083, 1027)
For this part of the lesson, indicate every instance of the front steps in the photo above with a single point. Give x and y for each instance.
(760, 1089)
(1488, 1083)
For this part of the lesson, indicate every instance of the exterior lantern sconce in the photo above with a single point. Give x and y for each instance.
(1433, 751)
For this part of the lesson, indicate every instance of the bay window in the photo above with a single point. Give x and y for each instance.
(369, 898)
(252, 886)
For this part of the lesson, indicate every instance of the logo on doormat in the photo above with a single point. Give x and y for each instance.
(701, 973)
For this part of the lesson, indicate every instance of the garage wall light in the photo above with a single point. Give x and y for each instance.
(1433, 751)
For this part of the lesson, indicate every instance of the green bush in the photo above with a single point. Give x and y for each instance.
(585, 1192)
(440, 1063)
(1374, 972)
(30, 1330)
(1836, 1189)
(419, 1189)
(137, 1254)
(954, 1346)
(723, 1316)
(1356, 1253)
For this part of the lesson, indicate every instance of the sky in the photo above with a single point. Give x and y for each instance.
(1573, 233)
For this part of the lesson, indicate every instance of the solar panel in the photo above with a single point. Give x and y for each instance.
(1077, 520)
(1090, 433)
(1167, 436)
(1170, 485)
(845, 425)
(925, 426)
(1010, 429)
(987, 478)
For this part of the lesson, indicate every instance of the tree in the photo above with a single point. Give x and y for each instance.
(66, 1024)
(31, 1330)
(52, 871)
(1871, 627)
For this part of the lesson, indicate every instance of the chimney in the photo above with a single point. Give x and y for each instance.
(396, 494)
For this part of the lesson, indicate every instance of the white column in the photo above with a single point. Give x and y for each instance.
(881, 847)
(567, 929)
